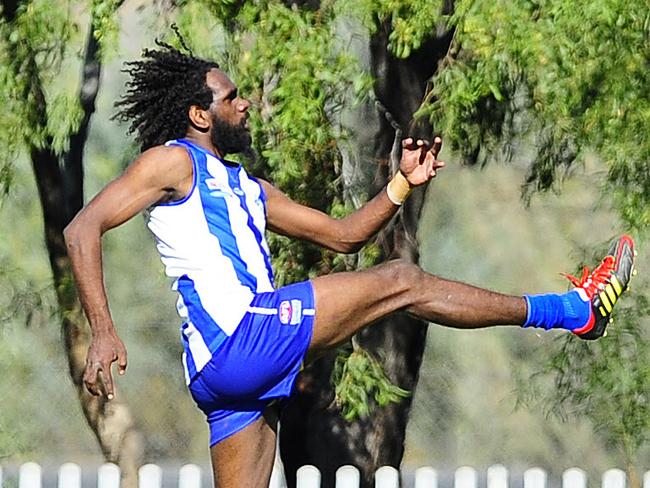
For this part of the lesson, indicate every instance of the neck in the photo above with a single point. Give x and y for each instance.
(203, 140)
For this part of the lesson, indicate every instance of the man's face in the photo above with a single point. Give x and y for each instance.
(230, 132)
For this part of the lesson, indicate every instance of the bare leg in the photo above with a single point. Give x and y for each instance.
(346, 302)
(245, 459)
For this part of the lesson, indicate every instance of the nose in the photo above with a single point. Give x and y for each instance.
(243, 105)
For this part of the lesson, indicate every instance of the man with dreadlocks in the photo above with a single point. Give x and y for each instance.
(244, 340)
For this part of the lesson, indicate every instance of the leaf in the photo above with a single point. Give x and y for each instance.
(356, 377)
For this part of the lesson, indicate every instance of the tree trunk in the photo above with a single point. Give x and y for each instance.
(60, 191)
(312, 430)
(111, 422)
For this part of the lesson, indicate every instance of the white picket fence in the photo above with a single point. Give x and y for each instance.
(190, 475)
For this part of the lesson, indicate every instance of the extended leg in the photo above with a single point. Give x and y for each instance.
(346, 302)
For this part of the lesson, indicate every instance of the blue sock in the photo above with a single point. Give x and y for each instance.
(552, 311)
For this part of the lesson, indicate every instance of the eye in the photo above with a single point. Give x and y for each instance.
(231, 95)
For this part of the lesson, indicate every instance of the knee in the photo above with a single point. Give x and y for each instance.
(404, 274)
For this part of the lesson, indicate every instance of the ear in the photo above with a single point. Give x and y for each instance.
(199, 118)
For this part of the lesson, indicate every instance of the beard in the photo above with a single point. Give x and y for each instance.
(230, 139)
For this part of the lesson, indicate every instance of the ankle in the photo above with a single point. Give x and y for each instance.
(553, 311)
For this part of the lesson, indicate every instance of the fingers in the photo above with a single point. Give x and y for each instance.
(104, 350)
(99, 380)
(107, 380)
(90, 378)
(121, 361)
(420, 159)
(434, 167)
(423, 145)
(438, 164)
(437, 145)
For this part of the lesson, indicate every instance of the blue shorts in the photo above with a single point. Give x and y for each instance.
(258, 363)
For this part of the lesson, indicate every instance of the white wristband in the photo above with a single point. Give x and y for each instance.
(398, 189)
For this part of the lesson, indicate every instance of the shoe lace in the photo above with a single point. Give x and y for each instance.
(594, 282)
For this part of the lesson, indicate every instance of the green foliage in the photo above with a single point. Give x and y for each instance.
(39, 107)
(105, 23)
(410, 23)
(201, 33)
(64, 115)
(570, 83)
(357, 377)
(224, 11)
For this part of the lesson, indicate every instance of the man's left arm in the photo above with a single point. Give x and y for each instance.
(418, 166)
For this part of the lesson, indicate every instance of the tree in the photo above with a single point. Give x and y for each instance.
(51, 128)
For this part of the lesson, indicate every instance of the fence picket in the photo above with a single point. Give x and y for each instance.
(308, 476)
(387, 477)
(574, 478)
(30, 476)
(108, 476)
(535, 478)
(614, 478)
(70, 476)
(150, 476)
(426, 477)
(497, 476)
(465, 477)
(189, 476)
(347, 477)
(0, 476)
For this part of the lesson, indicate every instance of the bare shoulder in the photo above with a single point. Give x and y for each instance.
(270, 190)
(167, 169)
(163, 162)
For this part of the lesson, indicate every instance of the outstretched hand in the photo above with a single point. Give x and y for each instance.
(105, 349)
(419, 162)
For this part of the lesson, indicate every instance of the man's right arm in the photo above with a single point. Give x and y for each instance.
(159, 174)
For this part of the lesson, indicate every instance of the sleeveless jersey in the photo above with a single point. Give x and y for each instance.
(212, 243)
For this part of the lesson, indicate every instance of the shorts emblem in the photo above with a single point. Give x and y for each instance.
(290, 312)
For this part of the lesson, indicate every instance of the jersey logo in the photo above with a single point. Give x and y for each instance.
(290, 312)
(218, 189)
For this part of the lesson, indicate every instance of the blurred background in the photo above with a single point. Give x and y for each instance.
(483, 397)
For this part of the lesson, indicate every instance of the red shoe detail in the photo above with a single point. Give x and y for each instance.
(596, 281)
(604, 286)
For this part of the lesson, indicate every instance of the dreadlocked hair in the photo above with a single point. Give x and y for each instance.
(163, 87)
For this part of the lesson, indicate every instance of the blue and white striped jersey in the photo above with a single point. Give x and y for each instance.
(212, 242)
